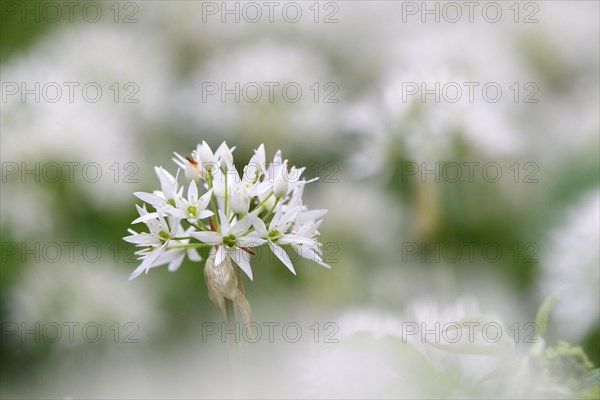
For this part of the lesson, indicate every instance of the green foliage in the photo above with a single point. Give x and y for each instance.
(564, 365)
(543, 315)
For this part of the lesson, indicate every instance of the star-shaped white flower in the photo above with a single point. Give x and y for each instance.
(232, 240)
(239, 199)
(311, 250)
(155, 242)
(175, 256)
(193, 208)
(200, 165)
(277, 234)
(255, 168)
(164, 199)
(224, 156)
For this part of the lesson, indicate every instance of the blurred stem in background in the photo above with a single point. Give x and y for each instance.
(426, 227)
(233, 346)
(427, 212)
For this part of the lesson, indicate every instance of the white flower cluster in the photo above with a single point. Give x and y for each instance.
(232, 215)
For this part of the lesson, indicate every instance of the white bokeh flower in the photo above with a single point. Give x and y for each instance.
(266, 90)
(570, 270)
(68, 121)
(75, 292)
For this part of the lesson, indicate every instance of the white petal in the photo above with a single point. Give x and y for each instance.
(240, 259)
(311, 215)
(295, 239)
(145, 218)
(137, 272)
(192, 191)
(259, 226)
(242, 225)
(260, 156)
(180, 161)
(220, 255)
(207, 237)
(225, 227)
(250, 240)
(277, 158)
(149, 198)
(223, 153)
(168, 184)
(148, 262)
(176, 263)
(309, 253)
(174, 225)
(142, 238)
(205, 199)
(193, 255)
(174, 212)
(205, 214)
(283, 256)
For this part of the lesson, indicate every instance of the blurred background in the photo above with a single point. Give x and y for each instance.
(458, 154)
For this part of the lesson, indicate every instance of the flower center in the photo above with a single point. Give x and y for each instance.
(164, 235)
(274, 235)
(191, 210)
(229, 240)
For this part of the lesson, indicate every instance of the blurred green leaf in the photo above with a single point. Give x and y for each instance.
(543, 315)
(593, 379)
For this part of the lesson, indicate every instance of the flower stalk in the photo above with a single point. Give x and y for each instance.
(233, 347)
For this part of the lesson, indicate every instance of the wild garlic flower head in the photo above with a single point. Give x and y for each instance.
(226, 212)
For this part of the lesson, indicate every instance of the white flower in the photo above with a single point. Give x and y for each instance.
(201, 164)
(279, 181)
(224, 155)
(155, 242)
(304, 215)
(272, 117)
(239, 200)
(312, 249)
(277, 234)
(192, 208)
(256, 167)
(163, 199)
(233, 241)
(80, 291)
(280, 185)
(570, 270)
(239, 210)
(175, 256)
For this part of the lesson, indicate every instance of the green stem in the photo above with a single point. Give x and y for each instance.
(237, 371)
(199, 225)
(212, 201)
(226, 196)
(262, 203)
(189, 245)
(271, 210)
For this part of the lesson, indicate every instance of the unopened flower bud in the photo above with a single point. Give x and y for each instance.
(238, 198)
(280, 186)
